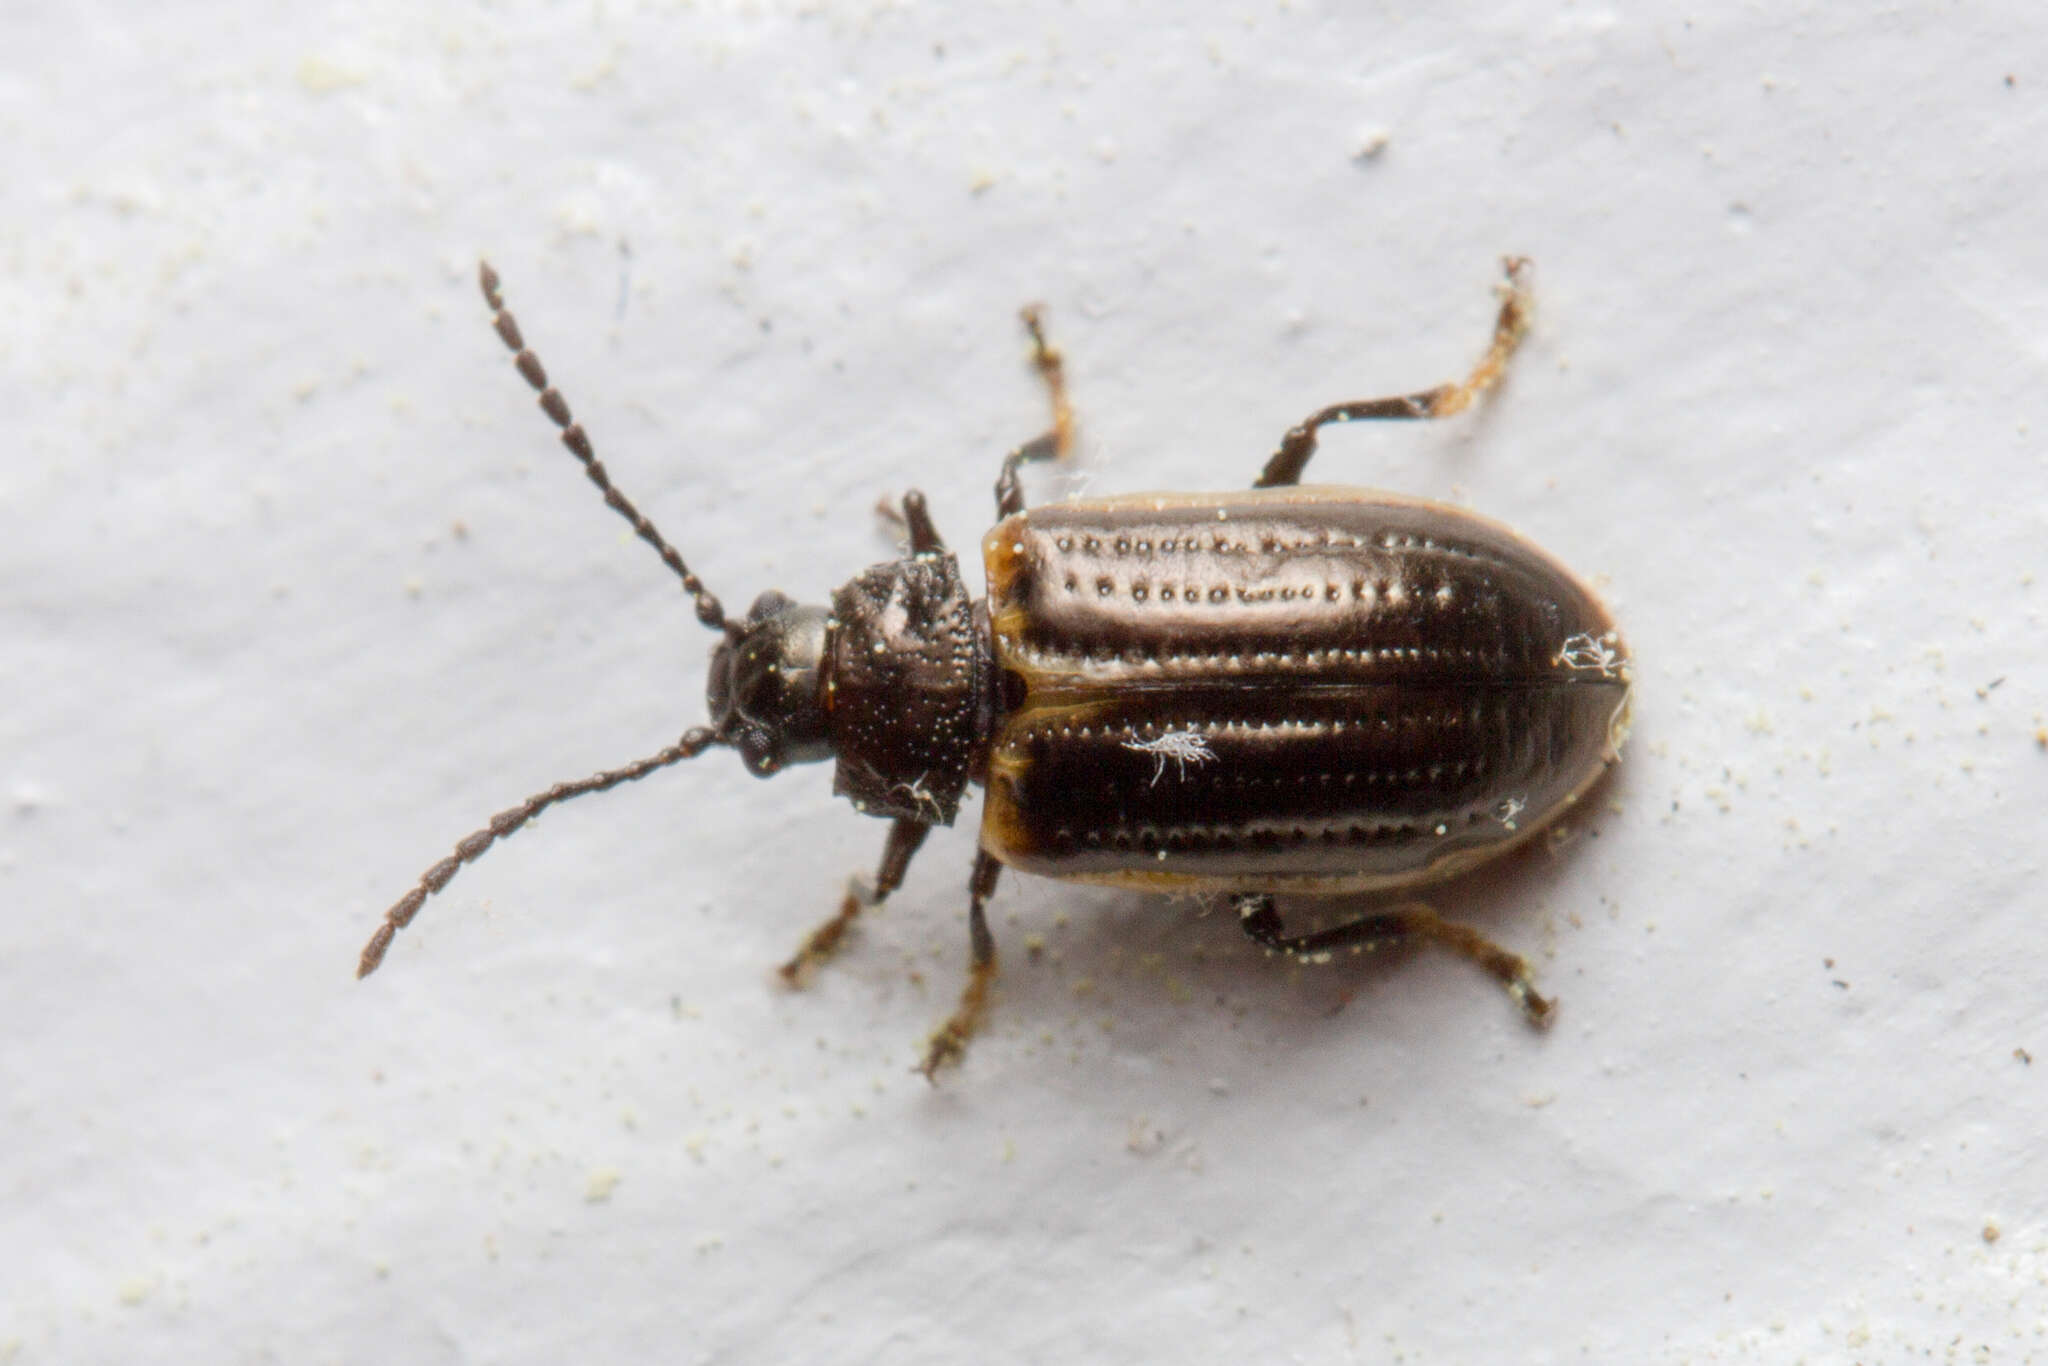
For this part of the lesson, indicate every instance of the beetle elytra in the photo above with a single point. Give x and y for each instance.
(1290, 690)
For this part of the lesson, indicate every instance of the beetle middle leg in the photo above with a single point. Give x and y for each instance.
(904, 838)
(1055, 443)
(1260, 920)
(949, 1041)
(1445, 400)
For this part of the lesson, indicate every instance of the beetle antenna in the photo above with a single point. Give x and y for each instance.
(693, 743)
(557, 408)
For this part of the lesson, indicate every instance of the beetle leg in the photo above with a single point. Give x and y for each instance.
(949, 1041)
(904, 838)
(1445, 400)
(917, 519)
(1056, 443)
(912, 523)
(1385, 929)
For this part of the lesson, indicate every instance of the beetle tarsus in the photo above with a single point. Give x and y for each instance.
(905, 836)
(1509, 327)
(948, 1043)
(1445, 400)
(823, 942)
(1260, 920)
(1057, 441)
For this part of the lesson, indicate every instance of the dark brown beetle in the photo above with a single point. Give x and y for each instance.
(1289, 690)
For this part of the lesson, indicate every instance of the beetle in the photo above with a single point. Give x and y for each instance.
(1290, 690)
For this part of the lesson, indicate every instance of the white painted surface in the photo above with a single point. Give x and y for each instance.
(1785, 401)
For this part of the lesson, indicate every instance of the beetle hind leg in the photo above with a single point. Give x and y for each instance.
(948, 1043)
(904, 838)
(1057, 441)
(1260, 920)
(1446, 400)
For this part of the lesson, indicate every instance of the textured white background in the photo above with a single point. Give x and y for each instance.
(1785, 403)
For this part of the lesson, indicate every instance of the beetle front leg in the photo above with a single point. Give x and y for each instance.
(913, 522)
(904, 838)
(949, 1041)
(1385, 929)
(1445, 400)
(918, 525)
(1057, 443)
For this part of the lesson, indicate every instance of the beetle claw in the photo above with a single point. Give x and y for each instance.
(1538, 1009)
(947, 1046)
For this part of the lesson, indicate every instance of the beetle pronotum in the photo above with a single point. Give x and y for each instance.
(1290, 690)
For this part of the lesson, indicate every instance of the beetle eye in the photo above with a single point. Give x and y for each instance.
(758, 750)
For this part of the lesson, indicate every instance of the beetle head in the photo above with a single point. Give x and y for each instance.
(766, 691)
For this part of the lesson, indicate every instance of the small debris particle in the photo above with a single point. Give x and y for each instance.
(599, 1187)
(319, 76)
(1990, 1231)
(2023, 1056)
(1372, 142)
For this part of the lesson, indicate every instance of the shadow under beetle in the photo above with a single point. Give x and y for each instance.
(1290, 690)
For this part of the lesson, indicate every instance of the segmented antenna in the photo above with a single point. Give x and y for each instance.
(557, 408)
(693, 743)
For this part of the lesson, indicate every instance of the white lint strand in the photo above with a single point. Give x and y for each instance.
(1183, 747)
(1594, 653)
